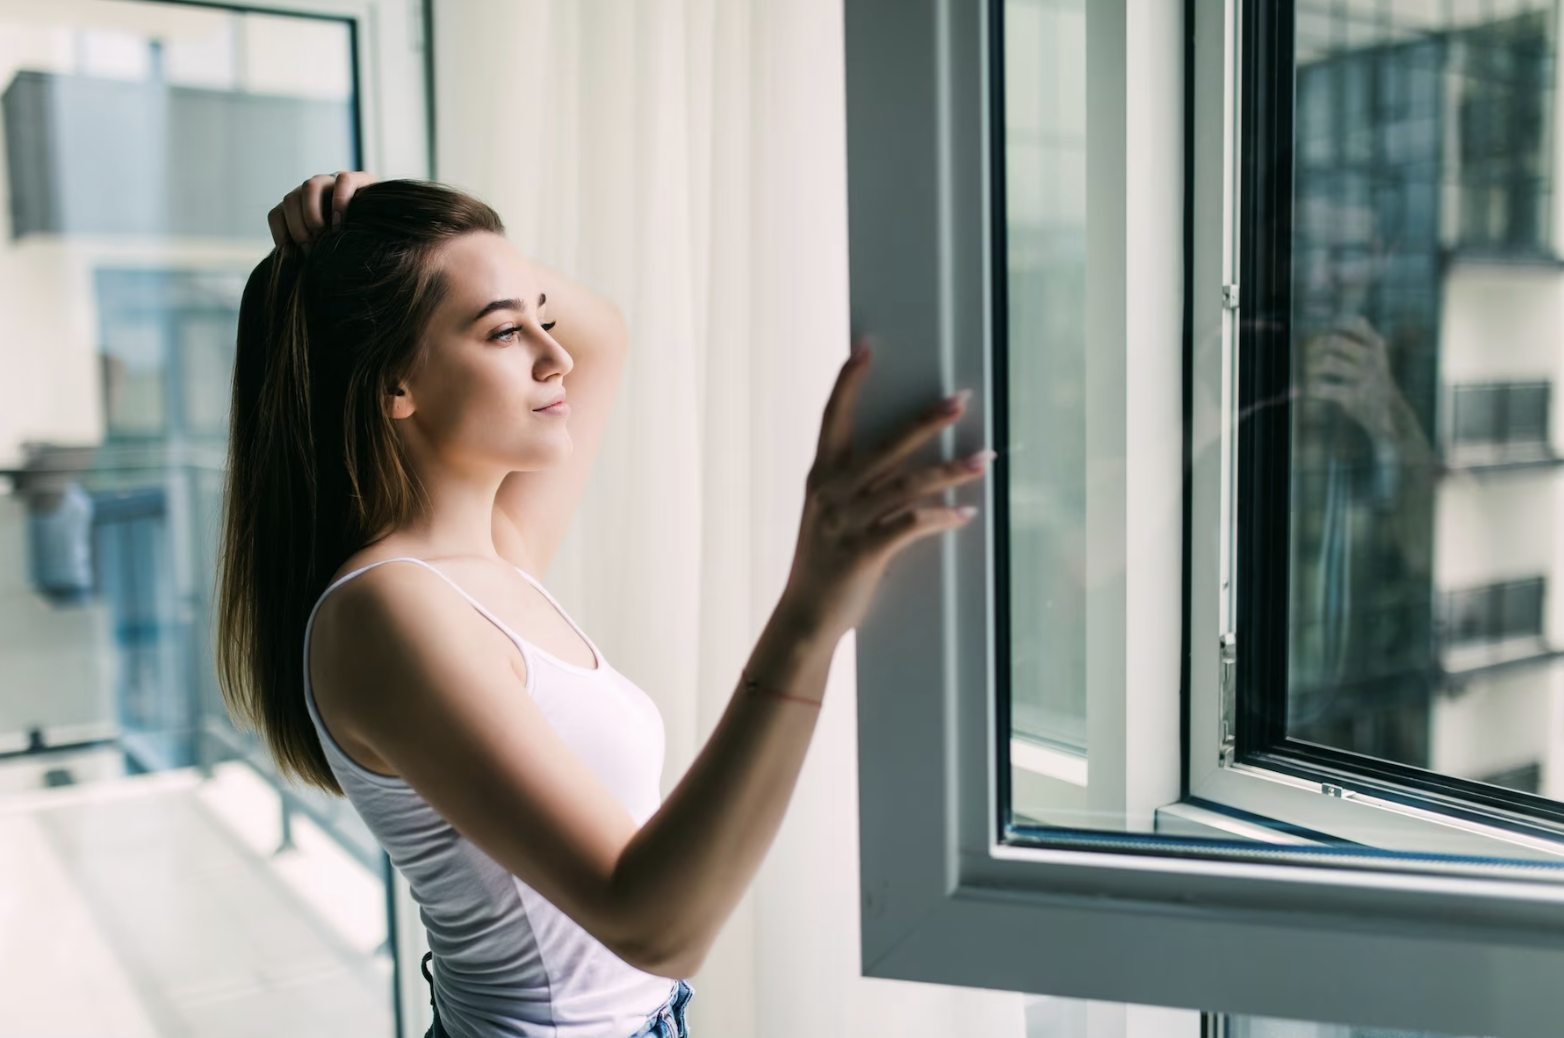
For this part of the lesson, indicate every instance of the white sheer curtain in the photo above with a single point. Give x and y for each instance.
(686, 158)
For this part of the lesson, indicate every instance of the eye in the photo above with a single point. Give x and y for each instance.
(506, 334)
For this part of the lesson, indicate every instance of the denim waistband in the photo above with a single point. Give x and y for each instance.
(667, 1022)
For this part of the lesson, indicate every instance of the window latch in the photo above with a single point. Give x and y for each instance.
(1229, 669)
(1230, 296)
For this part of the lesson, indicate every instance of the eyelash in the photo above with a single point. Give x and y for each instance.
(503, 332)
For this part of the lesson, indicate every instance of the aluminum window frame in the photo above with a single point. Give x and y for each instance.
(1236, 928)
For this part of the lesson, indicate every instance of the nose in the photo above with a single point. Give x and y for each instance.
(553, 359)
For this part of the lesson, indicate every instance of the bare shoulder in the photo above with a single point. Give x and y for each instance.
(387, 596)
(395, 631)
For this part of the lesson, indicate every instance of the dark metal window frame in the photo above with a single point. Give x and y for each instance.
(1263, 501)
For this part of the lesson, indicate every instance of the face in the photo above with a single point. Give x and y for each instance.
(489, 367)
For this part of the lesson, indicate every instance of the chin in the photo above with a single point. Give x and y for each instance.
(541, 456)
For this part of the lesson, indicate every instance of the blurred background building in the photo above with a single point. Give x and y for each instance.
(1426, 496)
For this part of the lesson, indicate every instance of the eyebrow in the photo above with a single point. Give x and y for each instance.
(519, 305)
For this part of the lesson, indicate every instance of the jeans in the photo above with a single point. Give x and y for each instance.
(666, 1022)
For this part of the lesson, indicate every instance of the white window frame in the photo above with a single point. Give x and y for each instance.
(944, 900)
(390, 38)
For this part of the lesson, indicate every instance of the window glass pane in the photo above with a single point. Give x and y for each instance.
(1045, 215)
(1264, 1027)
(1421, 488)
(1427, 320)
(174, 886)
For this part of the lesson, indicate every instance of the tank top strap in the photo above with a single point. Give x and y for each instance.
(479, 606)
(596, 655)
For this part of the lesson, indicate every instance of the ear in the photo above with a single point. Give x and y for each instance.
(399, 401)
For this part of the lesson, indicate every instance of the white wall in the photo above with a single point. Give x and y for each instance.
(1505, 720)
(1502, 323)
(1496, 527)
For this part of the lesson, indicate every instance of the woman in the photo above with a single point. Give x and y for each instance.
(400, 396)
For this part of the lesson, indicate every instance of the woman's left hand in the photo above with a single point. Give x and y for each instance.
(308, 209)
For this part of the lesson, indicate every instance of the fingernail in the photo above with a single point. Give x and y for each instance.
(336, 217)
(966, 512)
(955, 403)
(979, 461)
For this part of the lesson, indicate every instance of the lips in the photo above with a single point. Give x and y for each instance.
(557, 407)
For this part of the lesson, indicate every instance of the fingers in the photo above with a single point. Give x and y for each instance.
(312, 203)
(293, 213)
(279, 227)
(1361, 330)
(912, 524)
(905, 488)
(307, 210)
(1354, 335)
(1338, 350)
(342, 191)
(896, 450)
(1333, 392)
(1335, 365)
(836, 425)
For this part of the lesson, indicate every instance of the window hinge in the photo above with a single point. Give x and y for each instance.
(1229, 669)
(1230, 296)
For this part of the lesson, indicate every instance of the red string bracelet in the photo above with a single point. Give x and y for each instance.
(752, 685)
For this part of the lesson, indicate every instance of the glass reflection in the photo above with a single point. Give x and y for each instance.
(1426, 289)
(1264, 1027)
(170, 877)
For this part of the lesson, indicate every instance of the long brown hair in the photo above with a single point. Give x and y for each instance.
(315, 470)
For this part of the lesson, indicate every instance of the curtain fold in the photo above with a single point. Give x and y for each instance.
(686, 158)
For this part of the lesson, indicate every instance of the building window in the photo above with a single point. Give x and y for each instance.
(1499, 422)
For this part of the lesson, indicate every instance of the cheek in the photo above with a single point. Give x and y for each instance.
(486, 409)
(456, 400)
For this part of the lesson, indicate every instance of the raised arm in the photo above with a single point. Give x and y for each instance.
(533, 510)
(436, 697)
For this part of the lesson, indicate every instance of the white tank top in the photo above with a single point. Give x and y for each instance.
(506, 961)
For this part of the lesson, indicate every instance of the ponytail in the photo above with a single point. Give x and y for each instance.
(271, 564)
(316, 471)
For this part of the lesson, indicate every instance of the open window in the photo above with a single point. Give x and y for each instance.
(1244, 694)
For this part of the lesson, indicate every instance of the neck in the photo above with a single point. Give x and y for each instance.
(458, 518)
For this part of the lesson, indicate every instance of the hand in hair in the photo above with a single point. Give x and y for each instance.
(305, 211)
